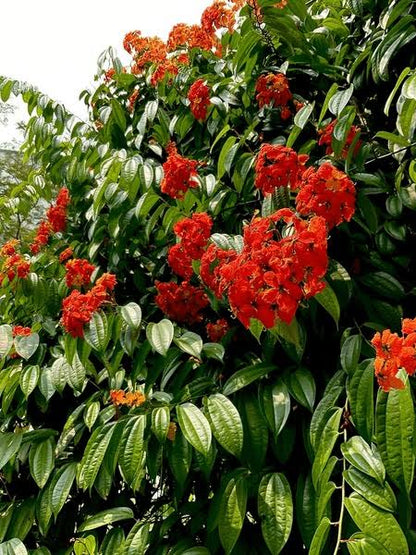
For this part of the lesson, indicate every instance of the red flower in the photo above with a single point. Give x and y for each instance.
(108, 281)
(326, 192)
(385, 371)
(217, 16)
(273, 89)
(9, 248)
(20, 331)
(131, 101)
(16, 265)
(211, 263)
(183, 303)
(194, 233)
(278, 166)
(326, 139)
(78, 272)
(409, 325)
(198, 96)
(56, 214)
(179, 173)
(180, 261)
(66, 255)
(217, 330)
(131, 399)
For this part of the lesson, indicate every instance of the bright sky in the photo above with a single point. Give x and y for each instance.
(55, 45)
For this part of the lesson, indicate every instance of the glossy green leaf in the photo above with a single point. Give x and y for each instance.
(132, 315)
(104, 518)
(160, 336)
(360, 544)
(6, 339)
(9, 445)
(41, 460)
(328, 300)
(275, 510)
(29, 379)
(380, 495)
(190, 343)
(276, 406)
(379, 524)
(96, 333)
(26, 346)
(225, 423)
(132, 450)
(232, 512)
(137, 539)
(246, 376)
(61, 486)
(320, 536)
(358, 453)
(94, 454)
(360, 388)
(160, 422)
(302, 387)
(325, 445)
(195, 427)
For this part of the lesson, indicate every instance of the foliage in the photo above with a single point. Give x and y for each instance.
(124, 429)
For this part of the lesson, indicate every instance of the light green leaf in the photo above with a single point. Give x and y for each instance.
(9, 445)
(225, 423)
(275, 510)
(41, 461)
(160, 422)
(137, 539)
(190, 343)
(358, 453)
(103, 518)
(380, 495)
(195, 427)
(360, 544)
(360, 388)
(13, 547)
(232, 512)
(29, 379)
(378, 524)
(276, 406)
(350, 353)
(160, 336)
(94, 454)
(132, 315)
(395, 420)
(302, 387)
(319, 538)
(328, 300)
(132, 451)
(6, 339)
(26, 345)
(224, 156)
(96, 333)
(61, 486)
(325, 444)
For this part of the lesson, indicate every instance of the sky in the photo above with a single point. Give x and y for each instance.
(55, 45)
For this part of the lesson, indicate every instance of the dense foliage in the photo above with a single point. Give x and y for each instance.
(189, 341)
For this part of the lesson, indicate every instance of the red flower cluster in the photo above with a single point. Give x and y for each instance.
(198, 96)
(273, 273)
(14, 265)
(278, 166)
(179, 173)
(78, 308)
(54, 223)
(78, 272)
(217, 16)
(273, 90)
(183, 303)
(212, 262)
(326, 192)
(326, 139)
(394, 352)
(66, 255)
(21, 331)
(130, 399)
(217, 330)
(9, 248)
(194, 233)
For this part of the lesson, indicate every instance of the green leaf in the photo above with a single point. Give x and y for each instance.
(9, 445)
(195, 427)
(320, 536)
(360, 388)
(180, 458)
(325, 445)
(160, 336)
(350, 353)
(275, 511)
(91, 413)
(225, 423)
(96, 333)
(361, 456)
(26, 345)
(94, 454)
(332, 90)
(132, 450)
(103, 518)
(328, 300)
(232, 512)
(13, 546)
(119, 115)
(190, 343)
(339, 100)
(380, 495)
(302, 117)
(360, 544)
(302, 387)
(29, 379)
(160, 422)
(61, 486)
(246, 376)
(288, 332)
(324, 408)
(378, 524)
(227, 151)
(384, 285)
(6, 339)
(399, 81)
(214, 350)
(132, 315)
(395, 419)
(137, 539)
(276, 406)
(41, 461)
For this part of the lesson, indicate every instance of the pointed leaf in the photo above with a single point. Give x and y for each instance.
(225, 423)
(275, 511)
(195, 427)
(160, 336)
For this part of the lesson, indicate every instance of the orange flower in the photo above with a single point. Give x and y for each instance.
(171, 431)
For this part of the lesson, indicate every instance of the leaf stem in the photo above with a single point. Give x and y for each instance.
(341, 512)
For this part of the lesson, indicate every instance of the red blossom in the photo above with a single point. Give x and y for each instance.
(198, 96)
(217, 330)
(211, 263)
(16, 265)
(194, 233)
(179, 173)
(326, 192)
(183, 303)
(9, 248)
(78, 272)
(108, 281)
(66, 255)
(278, 166)
(273, 89)
(21, 331)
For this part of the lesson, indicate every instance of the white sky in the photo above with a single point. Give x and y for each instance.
(55, 45)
